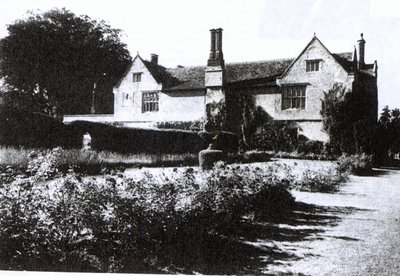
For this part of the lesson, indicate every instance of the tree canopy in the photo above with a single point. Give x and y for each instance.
(57, 56)
(347, 121)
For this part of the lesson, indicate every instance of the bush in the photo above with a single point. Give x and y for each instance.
(309, 146)
(322, 181)
(131, 140)
(357, 164)
(255, 156)
(40, 131)
(193, 125)
(125, 225)
(208, 157)
(30, 130)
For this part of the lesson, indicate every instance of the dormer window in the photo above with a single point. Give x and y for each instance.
(137, 77)
(312, 65)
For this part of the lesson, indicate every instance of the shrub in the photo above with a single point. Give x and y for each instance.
(323, 181)
(208, 157)
(255, 156)
(191, 125)
(125, 225)
(358, 164)
(309, 146)
(131, 140)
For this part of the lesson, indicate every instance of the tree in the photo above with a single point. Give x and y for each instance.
(347, 121)
(57, 57)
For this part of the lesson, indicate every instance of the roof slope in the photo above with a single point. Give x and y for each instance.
(345, 60)
(192, 77)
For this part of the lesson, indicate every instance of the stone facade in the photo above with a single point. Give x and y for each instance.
(287, 89)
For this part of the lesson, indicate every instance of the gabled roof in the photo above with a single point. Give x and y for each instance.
(192, 77)
(160, 74)
(340, 58)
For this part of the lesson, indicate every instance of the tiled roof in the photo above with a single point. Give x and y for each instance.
(345, 60)
(188, 77)
(192, 77)
(242, 71)
(161, 75)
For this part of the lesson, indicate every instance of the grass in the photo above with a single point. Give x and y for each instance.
(10, 156)
(14, 156)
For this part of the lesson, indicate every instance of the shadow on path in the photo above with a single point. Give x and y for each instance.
(255, 243)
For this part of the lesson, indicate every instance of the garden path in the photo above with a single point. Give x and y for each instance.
(353, 232)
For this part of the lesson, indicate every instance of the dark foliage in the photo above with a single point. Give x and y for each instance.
(357, 164)
(36, 130)
(118, 139)
(56, 57)
(256, 128)
(348, 121)
(193, 125)
(306, 146)
(387, 136)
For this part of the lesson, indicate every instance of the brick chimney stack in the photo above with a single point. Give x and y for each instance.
(212, 49)
(361, 52)
(214, 83)
(216, 56)
(154, 58)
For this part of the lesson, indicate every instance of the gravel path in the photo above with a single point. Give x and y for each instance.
(354, 232)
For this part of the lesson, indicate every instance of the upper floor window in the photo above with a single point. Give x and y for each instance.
(294, 97)
(137, 77)
(150, 101)
(312, 65)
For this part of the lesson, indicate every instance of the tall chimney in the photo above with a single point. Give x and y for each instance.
(355, 59)
(154, 58)
(212, 48)
(218, 45)
(361, 52)
(216, 56)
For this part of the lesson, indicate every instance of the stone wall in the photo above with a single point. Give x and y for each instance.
(173, 106)
(317, 82)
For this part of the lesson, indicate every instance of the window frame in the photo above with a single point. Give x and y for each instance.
(150, 101)
(313, 65)
(137, 77)
(294, 97)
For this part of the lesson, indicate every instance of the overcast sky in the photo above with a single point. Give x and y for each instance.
(178, 30)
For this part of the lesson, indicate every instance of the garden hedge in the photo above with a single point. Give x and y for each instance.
(40, 131)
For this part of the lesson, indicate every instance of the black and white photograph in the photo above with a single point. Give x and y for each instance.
(212, 137)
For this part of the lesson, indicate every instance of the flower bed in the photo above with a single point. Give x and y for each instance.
(160, 223)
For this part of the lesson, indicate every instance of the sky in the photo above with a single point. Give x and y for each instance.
(178, 30)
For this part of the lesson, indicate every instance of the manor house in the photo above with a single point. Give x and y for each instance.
(287, 89)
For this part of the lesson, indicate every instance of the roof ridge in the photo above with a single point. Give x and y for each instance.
(259, 61)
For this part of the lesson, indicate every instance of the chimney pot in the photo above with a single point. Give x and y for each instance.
(154, 58)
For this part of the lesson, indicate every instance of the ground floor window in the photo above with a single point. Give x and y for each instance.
(150, 101)
(293, 97)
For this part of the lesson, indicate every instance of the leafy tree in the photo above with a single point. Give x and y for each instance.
(387, 140)
(347, 121)
(57, 57)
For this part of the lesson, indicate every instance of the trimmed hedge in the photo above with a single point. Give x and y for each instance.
(120, 139)
(40, 131)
